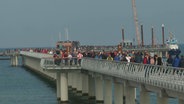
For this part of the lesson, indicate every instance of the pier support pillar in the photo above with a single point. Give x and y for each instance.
(69, 80)
(74, 82)
(91, 87)
(108, 91)
(180, 101)
(129, 93)
(99, 90)
(14, 60)
(118, 93)
(85, 85)
(162, 99)
(64, 87)
(79, 84)
(144, 96)
(58, 80)
(23, 61)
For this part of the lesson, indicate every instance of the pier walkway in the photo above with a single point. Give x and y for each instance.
(95, 79)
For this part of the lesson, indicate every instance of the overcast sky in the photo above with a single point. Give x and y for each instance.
(37, 23)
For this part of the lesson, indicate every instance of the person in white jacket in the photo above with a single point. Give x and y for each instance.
(70, 58)
(128, 58)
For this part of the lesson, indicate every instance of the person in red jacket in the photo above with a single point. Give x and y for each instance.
(146, 59)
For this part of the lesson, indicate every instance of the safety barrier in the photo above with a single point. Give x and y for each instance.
(161, 76)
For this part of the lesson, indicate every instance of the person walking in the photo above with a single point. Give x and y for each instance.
(79, 57)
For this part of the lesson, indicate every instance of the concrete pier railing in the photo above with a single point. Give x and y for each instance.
(56, 64)
(32, 60)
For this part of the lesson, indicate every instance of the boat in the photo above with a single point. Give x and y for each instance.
(68, 46)
(172, 44)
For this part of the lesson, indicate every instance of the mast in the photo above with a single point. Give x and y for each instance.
(163, 35)
(152, 36)
(142, 35)
(123, 36)
(66, 33)
(59, 36)
(136, 22)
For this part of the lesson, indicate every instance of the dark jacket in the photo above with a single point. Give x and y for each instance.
(182, 62)
(176, 62)
(159, 61)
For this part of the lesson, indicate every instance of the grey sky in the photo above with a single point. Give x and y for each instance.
(37, 23)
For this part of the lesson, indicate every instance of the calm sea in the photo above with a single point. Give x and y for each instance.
(18, 85)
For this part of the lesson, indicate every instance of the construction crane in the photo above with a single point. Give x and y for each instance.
(136, 22)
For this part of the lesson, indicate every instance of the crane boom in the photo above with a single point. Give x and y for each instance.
(136, 22)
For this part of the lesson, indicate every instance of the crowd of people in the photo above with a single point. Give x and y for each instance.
(68, 58)
(124, 56)
(138, 57)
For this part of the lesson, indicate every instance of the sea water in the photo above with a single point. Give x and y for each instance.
(19, 85)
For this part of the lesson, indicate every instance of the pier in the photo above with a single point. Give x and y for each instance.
(95, 79)
(5, 58)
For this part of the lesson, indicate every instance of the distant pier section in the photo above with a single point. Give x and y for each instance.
(6, 54)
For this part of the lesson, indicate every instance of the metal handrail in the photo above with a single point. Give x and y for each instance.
(161, 76)
(55, 62)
